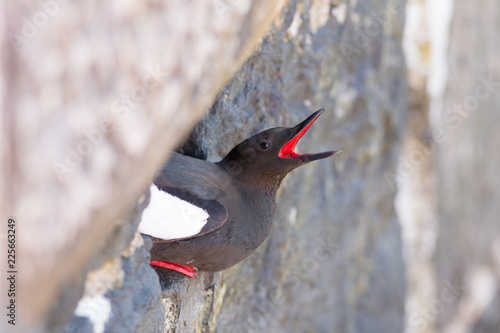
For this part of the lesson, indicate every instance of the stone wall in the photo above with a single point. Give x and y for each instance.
(449, 186)
(333, 261)
(93, 97)
(468, 247)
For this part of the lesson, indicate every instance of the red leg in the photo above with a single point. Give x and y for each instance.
(184, 269)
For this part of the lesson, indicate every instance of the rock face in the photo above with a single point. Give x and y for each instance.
(93, 98)
(121, 296)
(333, 261)
(119, 86)
(468, 248)
(449, 183)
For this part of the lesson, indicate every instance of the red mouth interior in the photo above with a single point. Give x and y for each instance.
(288, 150)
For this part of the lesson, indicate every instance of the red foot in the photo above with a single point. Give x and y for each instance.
(184, 269)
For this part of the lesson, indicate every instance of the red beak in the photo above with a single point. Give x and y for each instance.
(288, 149)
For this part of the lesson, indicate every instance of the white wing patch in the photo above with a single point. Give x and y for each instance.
(169, 217)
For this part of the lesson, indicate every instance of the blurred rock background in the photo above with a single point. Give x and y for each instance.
(398, 233)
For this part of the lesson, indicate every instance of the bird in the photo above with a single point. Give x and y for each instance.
(210, 216)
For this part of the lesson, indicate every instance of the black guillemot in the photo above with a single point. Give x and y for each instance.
(211, 216)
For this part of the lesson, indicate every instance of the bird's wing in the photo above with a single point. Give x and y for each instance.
(200, 178)
(184, 200)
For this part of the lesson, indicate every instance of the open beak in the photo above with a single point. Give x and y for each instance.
(288, 149)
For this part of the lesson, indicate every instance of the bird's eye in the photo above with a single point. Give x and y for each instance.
(264, 145)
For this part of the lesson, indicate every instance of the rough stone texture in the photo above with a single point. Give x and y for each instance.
(449, 189)
(416, 200)
(468, 248)
(332, 262)
(121, 296)
(93, 96)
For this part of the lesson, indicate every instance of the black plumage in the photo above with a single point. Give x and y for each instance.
(238, 193)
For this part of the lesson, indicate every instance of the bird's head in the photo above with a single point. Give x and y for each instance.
(269, 155)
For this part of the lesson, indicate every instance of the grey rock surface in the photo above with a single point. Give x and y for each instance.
(468, 247)
(449, 183)
(122, 296)
(332, 262)
(94, 97)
